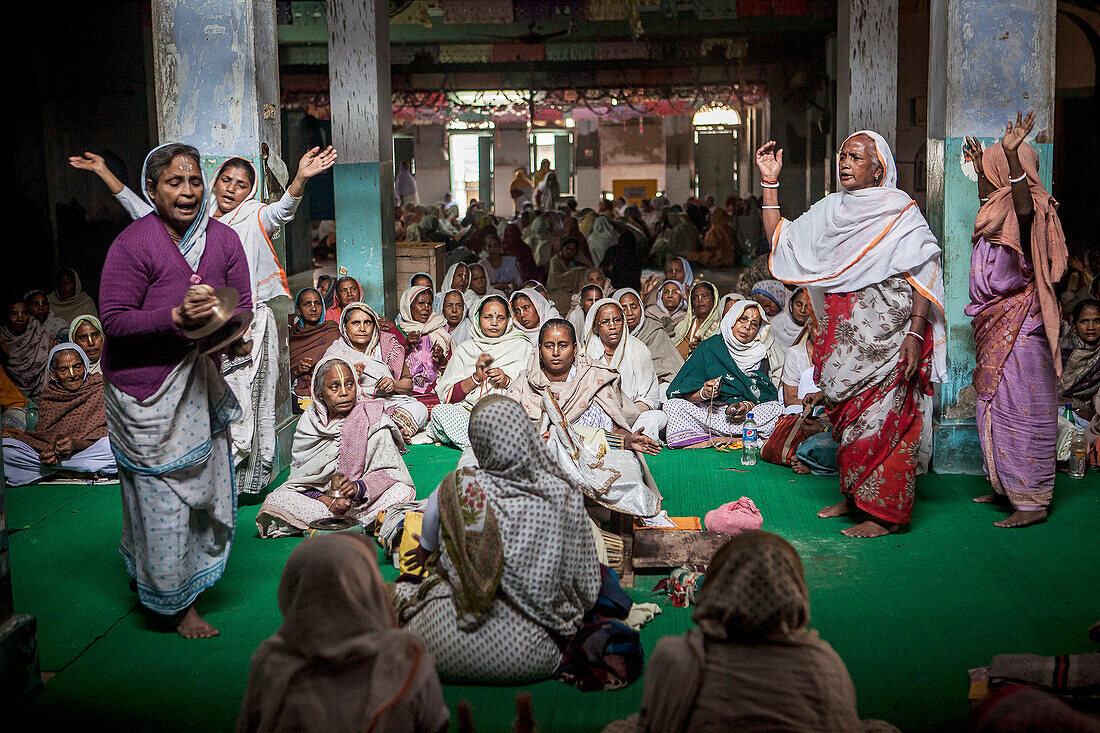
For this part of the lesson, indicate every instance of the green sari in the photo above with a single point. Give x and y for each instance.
(712, 359)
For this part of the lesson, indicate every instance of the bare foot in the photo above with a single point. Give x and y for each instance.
(802, 469)
(870, 528)
(838, 510)
(989, 499)
(191, 626)
(1022, 519)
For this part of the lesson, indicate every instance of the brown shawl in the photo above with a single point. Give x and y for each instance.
(997, 223)
(593, 383)
(310, 342)
(339, 662)
(80, 416)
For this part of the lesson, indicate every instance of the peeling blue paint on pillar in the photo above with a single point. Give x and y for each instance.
(987, 59)
(361, 245)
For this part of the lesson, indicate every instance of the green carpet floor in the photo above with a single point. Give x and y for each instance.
(909, 613)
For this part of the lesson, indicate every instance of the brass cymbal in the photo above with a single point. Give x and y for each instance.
(227, 303)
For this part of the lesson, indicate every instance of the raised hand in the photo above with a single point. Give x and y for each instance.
(88, 162)
(316, 161)
(972, 151)
(769, 160)
(1015, 134)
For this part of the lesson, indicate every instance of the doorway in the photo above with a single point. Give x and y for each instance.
(471, 158)
(555, 146)
(717, 152)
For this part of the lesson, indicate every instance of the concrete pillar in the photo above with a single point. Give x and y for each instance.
(216, 79)
(362, 131)
(867, 77)
(987, 59)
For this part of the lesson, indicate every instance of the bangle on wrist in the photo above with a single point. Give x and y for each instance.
(915, 335)
(769, 184)
(1017, 180)
(769, 207)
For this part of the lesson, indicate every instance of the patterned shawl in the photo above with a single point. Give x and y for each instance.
(1080, 371)
(80, 415)
(309, 342)
(516, 525)
(27, 354)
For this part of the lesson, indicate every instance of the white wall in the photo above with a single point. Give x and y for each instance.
(509, 153)
(634, 151)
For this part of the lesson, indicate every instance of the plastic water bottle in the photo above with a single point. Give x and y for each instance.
(1078, 455)
(32, 416)
(749, 442)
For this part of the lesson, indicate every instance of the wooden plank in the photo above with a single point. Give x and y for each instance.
(671, 548)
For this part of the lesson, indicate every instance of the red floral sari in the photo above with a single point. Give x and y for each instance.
(877, 415)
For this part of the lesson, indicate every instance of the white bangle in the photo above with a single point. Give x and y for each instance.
(1017, 180)
(769, 185)
(769, 207)
(915, 335)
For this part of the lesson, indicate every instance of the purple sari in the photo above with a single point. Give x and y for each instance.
(1015, 378)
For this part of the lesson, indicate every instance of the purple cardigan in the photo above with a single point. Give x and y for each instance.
(144, 278)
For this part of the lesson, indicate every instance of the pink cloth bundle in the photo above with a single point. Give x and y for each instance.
(734, 517)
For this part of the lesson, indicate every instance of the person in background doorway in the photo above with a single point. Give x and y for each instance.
(404, 185)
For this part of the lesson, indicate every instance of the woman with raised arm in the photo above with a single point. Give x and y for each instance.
(874, 274)
(1019, 254)
(232, 201)
(168, 407)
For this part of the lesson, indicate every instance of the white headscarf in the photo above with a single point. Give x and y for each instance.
(602, 238)
(619, 299)
(689, 276)
(193, 243)
(850, 240)
(631, 358)
(784, 328)
(57, 350)
(660, 304)
(746, 356)
(374, 368)
(542, 305)
(510, 352)
(448, 283)
(435, 327)
(94, 323)
(461, 331)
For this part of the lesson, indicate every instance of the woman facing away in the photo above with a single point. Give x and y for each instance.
(71, 434)
(380, 366)
(516, 565)
(1019, 254)
(168, 407)
(346, 459)
(253, 378)
(874, 273)
(751, 663)
(339, 662)
(485, 364)
(724, 380)
(310, 336)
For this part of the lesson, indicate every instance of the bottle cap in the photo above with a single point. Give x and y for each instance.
(749, 416)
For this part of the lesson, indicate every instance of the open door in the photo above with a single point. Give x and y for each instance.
(716, 163)
(485, 171)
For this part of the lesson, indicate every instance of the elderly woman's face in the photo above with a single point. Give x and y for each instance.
(310, 308)
(347, 291)
(419, 280)
(66, 284)
(859, 164)
(800, 308)
(67, 369)
(461, 278)
(557, 351)
(747, 325)
(525, 312)
(90, 339)
(594, 277)
(608, 325)
(674, 270)
(588, 297)
(453, 308)
(338, 390)
(702, 301)
(770, 306)
(18, 317)
(422, 306)
(39, 307)
(360, 328)
(494, 319)
(632, 309)
(492, 246)
(671, 297)
(479, 283)
(178, 193)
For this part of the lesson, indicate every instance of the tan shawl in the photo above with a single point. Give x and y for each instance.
(339, 662)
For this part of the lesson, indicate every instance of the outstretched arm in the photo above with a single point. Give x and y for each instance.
(135, 206)
(769, 161)
(972, 151)
(1021, 189)
(313, 162)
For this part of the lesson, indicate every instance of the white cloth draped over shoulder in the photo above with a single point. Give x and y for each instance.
(509, 351)
(435, 327)
(851, 240)
(631, 359)
(545, 310)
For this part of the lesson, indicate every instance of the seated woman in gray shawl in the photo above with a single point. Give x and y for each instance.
(517, 566)
(751, 663)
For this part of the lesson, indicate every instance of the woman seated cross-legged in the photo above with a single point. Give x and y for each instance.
(71, 434)
(380, 366)
(516, 568)
(751, 663)
(346, 459)
(725, 379)
(577, 404)
(485, 364)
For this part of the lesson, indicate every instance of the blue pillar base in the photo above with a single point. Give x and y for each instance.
(955, 447)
